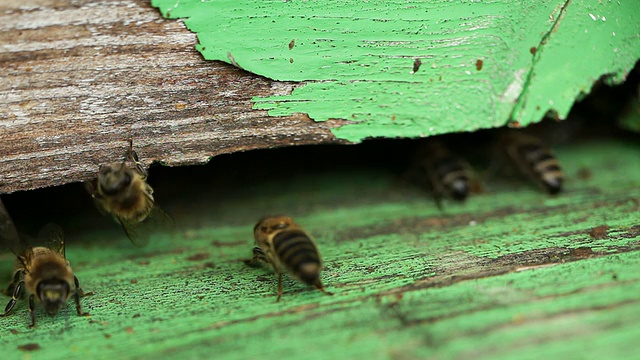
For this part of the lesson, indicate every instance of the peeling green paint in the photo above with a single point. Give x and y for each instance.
(590, 41)
(482, 63)
(492, 316)
(511, 273)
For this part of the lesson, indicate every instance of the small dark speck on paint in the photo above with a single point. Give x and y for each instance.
(479, 64)
(29, 347)
(584, 173)
(416, 65)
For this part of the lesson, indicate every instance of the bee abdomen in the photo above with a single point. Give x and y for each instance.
(544, 165)
(298, 253)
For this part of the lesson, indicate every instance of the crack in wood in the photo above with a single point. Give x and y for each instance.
(536, 55)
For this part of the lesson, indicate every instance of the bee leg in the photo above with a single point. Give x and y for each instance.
(79, 290)
(279, 273)
(14, 297)
(258, 254)
(17, 276)
(258, 258)
(438, 198)
(77, 295)
(32, 306)
(319, 286)
(436, 190)
(475, 185)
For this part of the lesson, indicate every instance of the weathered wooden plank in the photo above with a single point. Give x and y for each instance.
(80, 78)
(407, 69)
(509, 273)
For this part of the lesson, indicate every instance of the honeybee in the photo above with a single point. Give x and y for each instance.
(122, 191)
(448, 174)
(282, 244)
(533, 158)
(43, 271)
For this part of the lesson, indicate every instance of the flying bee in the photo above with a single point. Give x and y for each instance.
(43, 271)
(448, 174)
(283, 245)
(533, 158)
(122, 191)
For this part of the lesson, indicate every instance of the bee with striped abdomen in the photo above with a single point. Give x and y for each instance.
(42, 270)
(122, 191)
(283, 245)
(533, 158)
(448, 174)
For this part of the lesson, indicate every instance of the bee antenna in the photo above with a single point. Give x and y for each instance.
(133, 155)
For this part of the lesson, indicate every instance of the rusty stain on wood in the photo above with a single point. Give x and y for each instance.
(29, 347)
(599, 232)
(81, 78)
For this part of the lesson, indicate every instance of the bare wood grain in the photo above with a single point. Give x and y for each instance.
(80, 78)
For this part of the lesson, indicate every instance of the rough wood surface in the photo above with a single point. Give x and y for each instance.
(80, 78)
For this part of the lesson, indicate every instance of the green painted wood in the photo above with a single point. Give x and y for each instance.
(512, 273)
(482, 64)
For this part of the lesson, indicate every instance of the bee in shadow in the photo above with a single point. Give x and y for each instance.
(532, 158)
(446, 174)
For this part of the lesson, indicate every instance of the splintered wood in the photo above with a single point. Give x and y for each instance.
(80, 79)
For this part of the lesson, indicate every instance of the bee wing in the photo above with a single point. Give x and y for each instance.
(140, 232)
(8, 233)
(52, 237)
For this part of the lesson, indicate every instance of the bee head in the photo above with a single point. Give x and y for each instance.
(53, 294)
(113, 178)
(270, 224)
